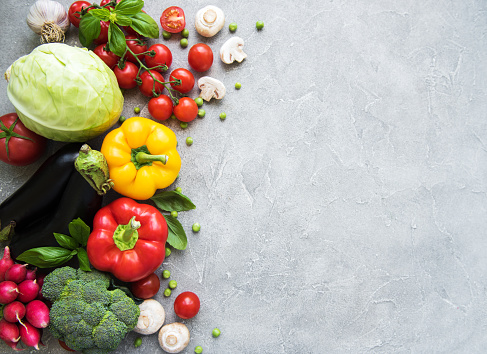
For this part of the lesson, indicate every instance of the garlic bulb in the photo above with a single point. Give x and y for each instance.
(49, 19)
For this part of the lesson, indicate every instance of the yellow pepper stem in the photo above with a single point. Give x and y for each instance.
(143, 158)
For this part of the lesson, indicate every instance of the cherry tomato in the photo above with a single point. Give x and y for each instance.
(187, 80)
(108, 57)
(162, 56)
(76, 7)
(172, 19)
(104, 2)
(200, 57)
(137, 46)
(187, 305)
(160, 107)
(148, 83)
(147, 287)
(186, 110)
(103, 37)
(24, 146)
(126, 76)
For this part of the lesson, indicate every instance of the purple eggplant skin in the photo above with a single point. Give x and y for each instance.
(36, 200)
(79, 200)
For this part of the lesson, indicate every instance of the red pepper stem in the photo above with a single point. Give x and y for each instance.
(126, 236)
(143, 157)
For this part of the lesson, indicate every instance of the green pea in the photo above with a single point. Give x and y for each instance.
(232, 27)
(201, 113)
(168, 251)
(183, 125)
(216, 332)
(173, 116)
(174, 214)
(238, 85)
(223, 115)
(183, 42)
(196, 227)
(166, 274)
(137, 110)
(189, 141)
(198, 349)
(138, 342)
(166, 34)
(172, 284)
(185, 33)
(122, 119)
(199, 101)
(259, 25)
(167, 292)
(179, 189)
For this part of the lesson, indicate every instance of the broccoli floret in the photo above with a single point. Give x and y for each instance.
(85, 314)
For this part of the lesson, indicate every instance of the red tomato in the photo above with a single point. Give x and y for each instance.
(104, 2)
(187, 305)
(187, 80)
(160, 107)
(76, 7)
(172, 19)
(200, 57)
(186, 110)
(147, 287)
(126, 76)
(108, 57)
(162, 56)
(23, 145)
(137, 46)
(103, 37)
(147, 87)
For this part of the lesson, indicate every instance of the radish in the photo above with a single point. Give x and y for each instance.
(16, 273)
(30, 336)
(9, 332)
(8, 292)
(13, 345)
(37, 313)
(5, 263)
(31, 274)
(28, 290)
(14, 312)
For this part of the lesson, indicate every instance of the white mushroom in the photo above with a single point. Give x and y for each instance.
(174, 337)
(209, 21)
(210, 88)
(151, 318)
(232, 50)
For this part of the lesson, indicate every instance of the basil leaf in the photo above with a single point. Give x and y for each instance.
(66, 241)
(116, 40)
(129, 7)
(79, 231)
(89, 29)
(172, 200)
(101, 14)
(145, 25)
(84, 262)
(7, 232)
(176, 236)
(123, 20)
(46, 257)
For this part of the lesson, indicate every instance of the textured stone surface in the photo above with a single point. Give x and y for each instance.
(343, 200)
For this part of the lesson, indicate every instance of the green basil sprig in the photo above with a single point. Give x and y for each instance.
(176, 236)
(70, 246)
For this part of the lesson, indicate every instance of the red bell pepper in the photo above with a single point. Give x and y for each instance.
(128, 239)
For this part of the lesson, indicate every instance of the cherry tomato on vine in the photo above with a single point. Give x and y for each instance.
(186, 77)
(187, 305)
(103, 37)
(147, 287)
(104, 2)
(76, 6)
(172, 19)
(126, 76)
(186, 110)
(148, 83)
(160, 107)
(200, 57)
(137, 46)
(163, 56)
(108, 57)
(19, 146)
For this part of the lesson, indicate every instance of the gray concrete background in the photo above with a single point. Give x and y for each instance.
(343, 201)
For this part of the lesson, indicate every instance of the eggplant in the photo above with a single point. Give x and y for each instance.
(79, 200)
(37, 198)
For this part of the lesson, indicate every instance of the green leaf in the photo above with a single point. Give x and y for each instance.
(172, 201)
(101, 14)
(66, 241)
(79, 231)
(89, 29)
(116, 40)
(129, 7)
(123, 20)
(7, 232)
(47, 257)
(176, 236)
(84, 262)
(145, 25)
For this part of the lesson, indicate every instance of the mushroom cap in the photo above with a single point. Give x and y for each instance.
(232, 50)
(211, 88)
(209, 20)
(174, 337)
(151, 318)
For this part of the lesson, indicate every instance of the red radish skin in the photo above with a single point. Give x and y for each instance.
(9, 332)
(37, 313)
(31, 274)
(16, 273)
(8, 292)
(28, 290)
(30, 336)
(14, 312)
(13, 345)
(5, 263)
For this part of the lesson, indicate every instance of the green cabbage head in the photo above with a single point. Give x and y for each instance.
(64, 93)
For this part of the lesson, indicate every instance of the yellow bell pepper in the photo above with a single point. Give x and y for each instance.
(142, 157)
